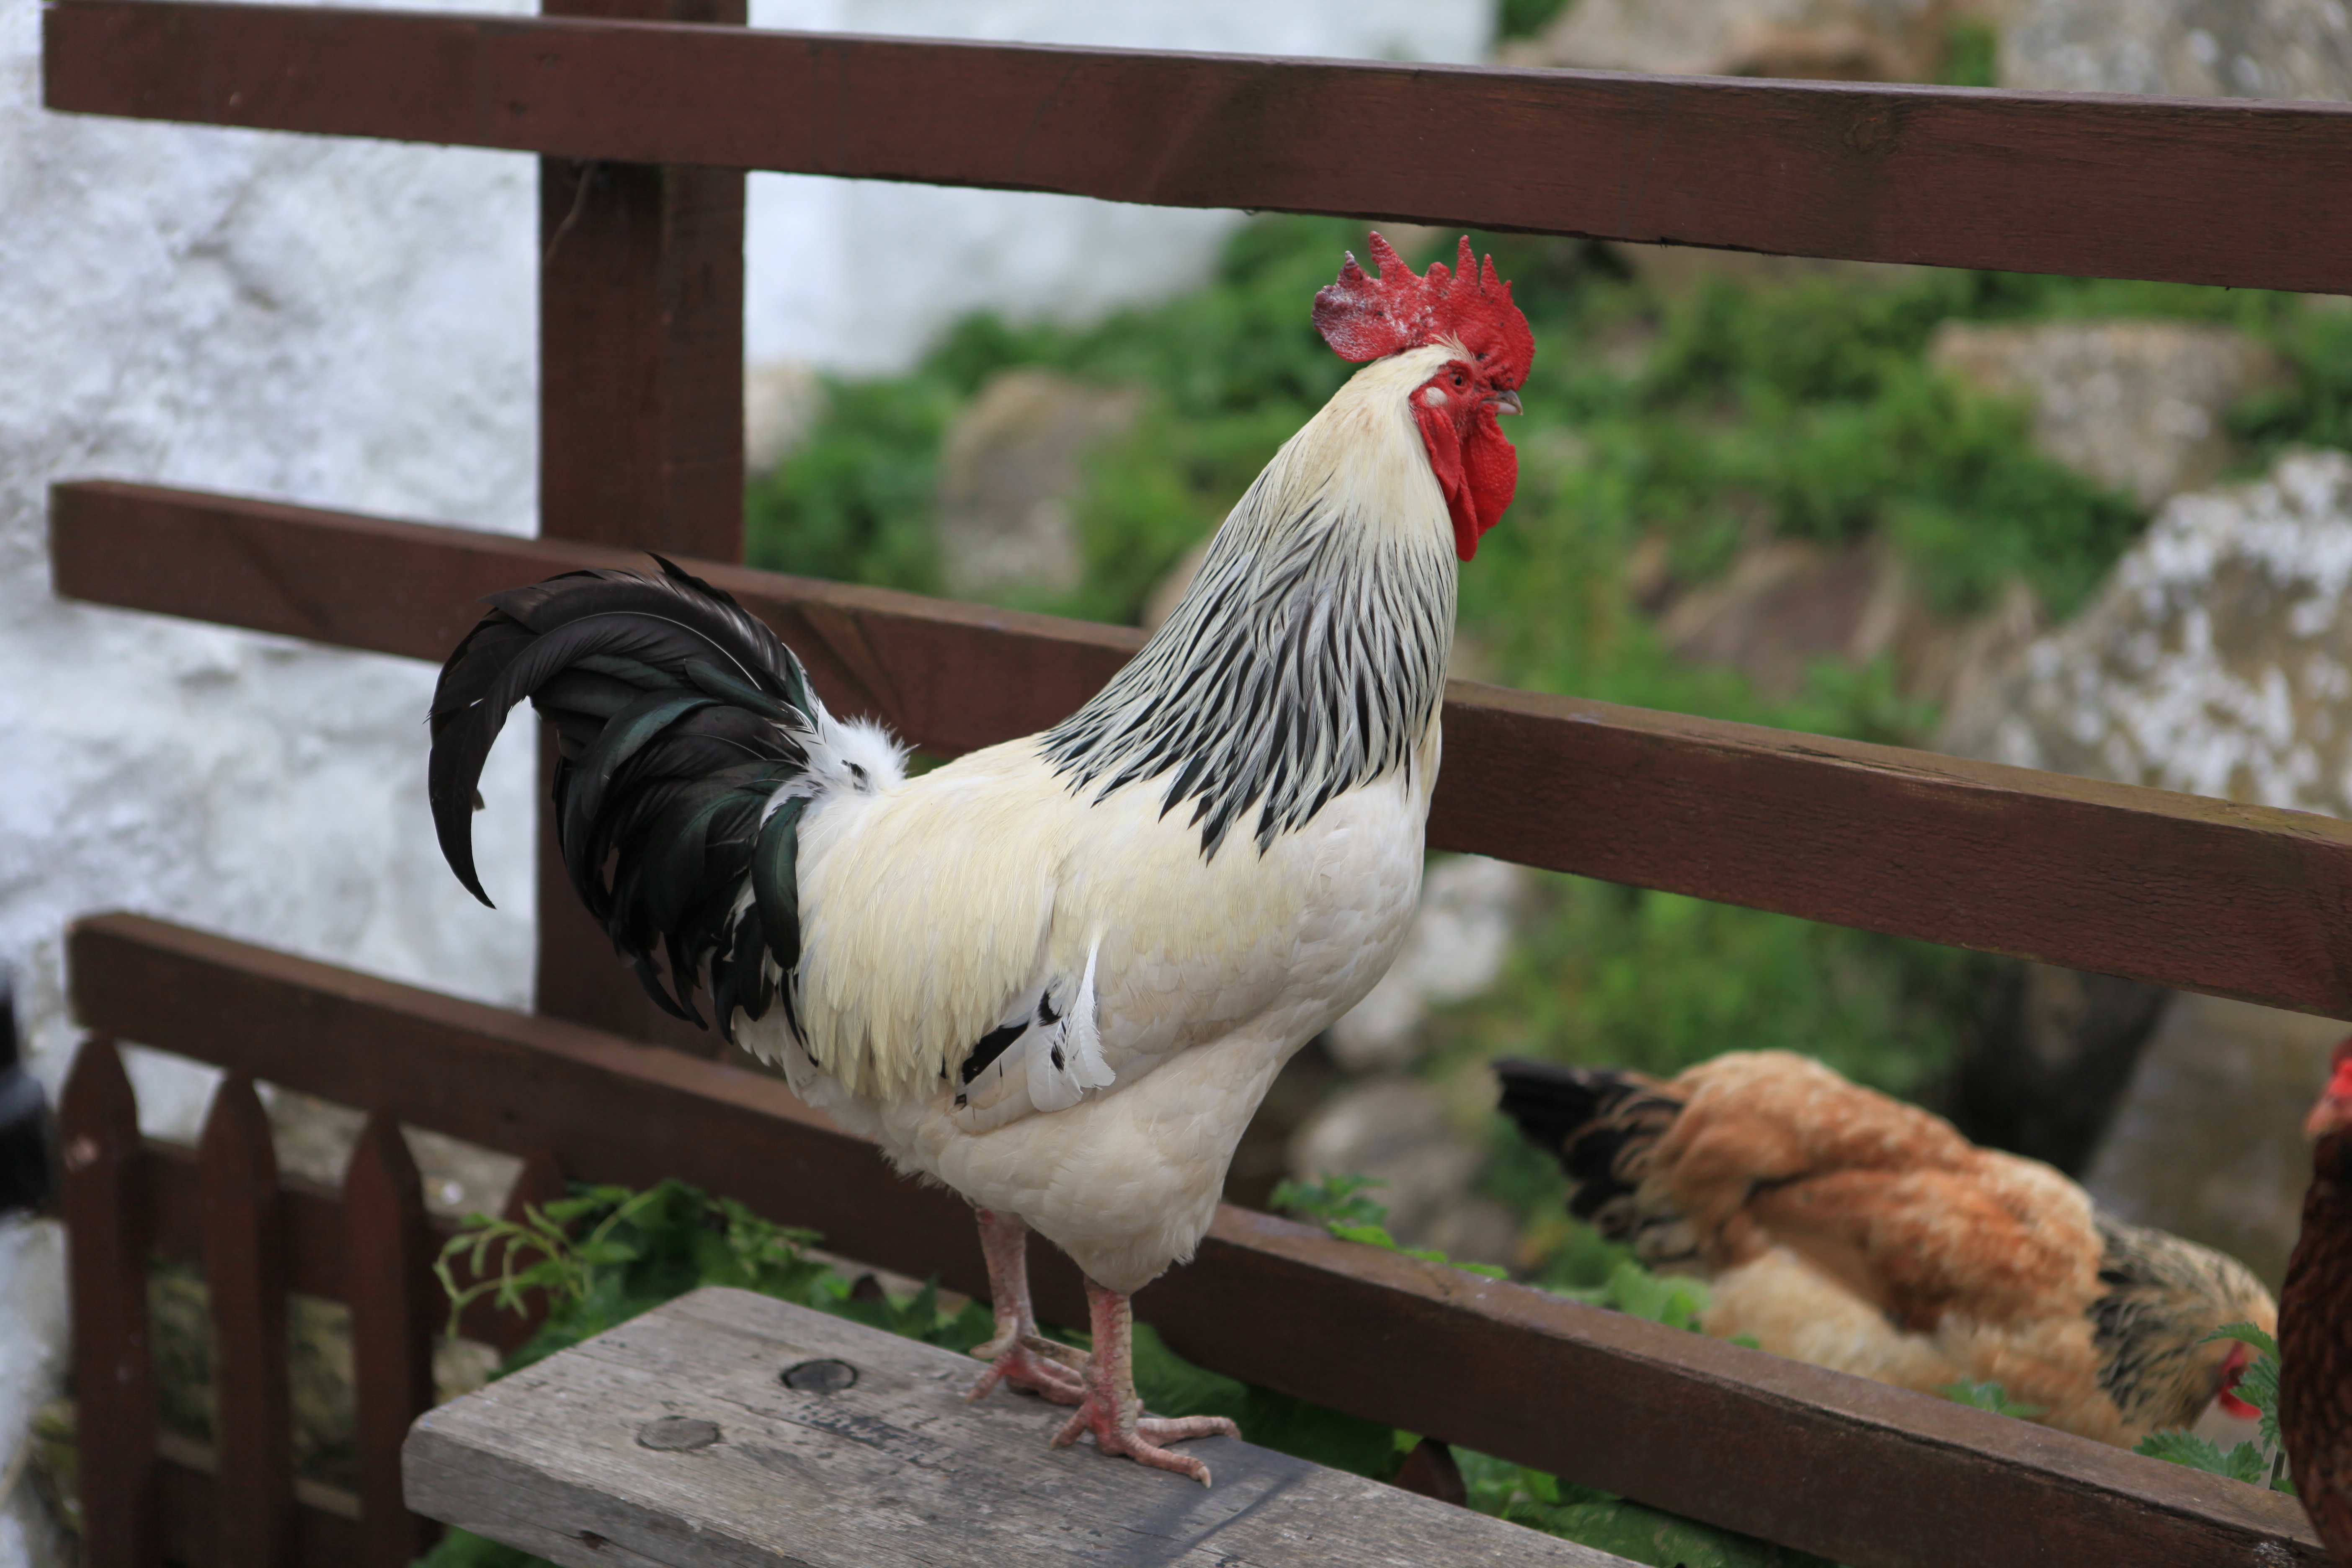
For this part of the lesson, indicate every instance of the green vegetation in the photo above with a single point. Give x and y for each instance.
(1672, 427)
(1339, 1205)
(605, 1254)
(1611, 1523)
(1989, 1396)
(2260, 1460)
(1526, 18)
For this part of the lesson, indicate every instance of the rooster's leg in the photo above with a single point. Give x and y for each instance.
(1018, 1353)
(1111, 1410)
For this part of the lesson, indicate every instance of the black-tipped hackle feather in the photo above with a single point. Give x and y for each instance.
(679, 717)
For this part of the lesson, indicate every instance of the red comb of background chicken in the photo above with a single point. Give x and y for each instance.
(1366, 318)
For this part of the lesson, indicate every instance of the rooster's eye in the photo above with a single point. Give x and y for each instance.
(1457, 378)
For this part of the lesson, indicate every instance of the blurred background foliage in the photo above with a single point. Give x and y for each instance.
(1667, 429)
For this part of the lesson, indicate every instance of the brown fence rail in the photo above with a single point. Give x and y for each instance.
(1864, 1473)
(2176, 889)
(259, 1235)
(2113, 187)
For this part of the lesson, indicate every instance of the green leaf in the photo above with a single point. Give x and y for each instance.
(2246, 1333)
(1369, 1235)
(1331, 1200)
(1990, 1396)
(2247, 1462)
(2180, 1447)
(1673, 1301)
(2258, 1382)
(1611, 1523)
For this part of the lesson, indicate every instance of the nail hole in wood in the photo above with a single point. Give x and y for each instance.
(820, 1376)
(677, 1434)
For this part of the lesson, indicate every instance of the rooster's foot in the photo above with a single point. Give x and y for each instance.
(1035, 1364)
(1111, 1410)
(1016, 1353)
(1138, 1438)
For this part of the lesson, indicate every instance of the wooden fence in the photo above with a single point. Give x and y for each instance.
(645, 112)
(258, 1237)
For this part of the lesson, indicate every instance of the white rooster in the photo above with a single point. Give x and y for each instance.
(1058, 974)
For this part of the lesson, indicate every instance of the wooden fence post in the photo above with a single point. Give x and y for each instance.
(388, 1280)
(245, 1276)
(106, 1217)
(640, 434)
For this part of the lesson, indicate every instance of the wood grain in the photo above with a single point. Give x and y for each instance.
(396, 1308)
(2175, 889)
(108, 1217)
(896, 1470)
(245, 1283)
(1865, 1474)
(326, 1533)
(2202, 192)
(640, 434)
(311, 1227)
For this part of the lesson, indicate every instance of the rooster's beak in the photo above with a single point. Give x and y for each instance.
(1505, 402)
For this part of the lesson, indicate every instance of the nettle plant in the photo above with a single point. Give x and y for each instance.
(2258, 1461)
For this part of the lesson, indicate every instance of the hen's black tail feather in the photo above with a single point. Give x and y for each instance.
(1601, 1124)
(678, 716)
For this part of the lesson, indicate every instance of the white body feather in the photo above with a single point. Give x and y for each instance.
(1149, 990)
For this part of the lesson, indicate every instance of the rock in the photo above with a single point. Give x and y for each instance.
(1845, 41)
(1786, 603)
(2136, 405)
(1397, 1130)
(1789, 603)
(2216, 660)
(2199, 48)
(2041, 1072)
(783, 400)
(1456, 948)
(2207, 1140)
(1680, 269)
(1008, 472)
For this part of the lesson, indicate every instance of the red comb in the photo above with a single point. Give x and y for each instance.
(1366, 318)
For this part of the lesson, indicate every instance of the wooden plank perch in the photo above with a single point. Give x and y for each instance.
(728, 1427)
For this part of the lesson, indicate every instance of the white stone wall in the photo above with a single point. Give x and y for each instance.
(858, 273)
(349, 325)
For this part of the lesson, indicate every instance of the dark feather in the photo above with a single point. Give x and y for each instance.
(1598, 1124)
(775, 882)
(28, 1130)
(680, 717)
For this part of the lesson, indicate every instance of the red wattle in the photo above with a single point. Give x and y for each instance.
(1479, 476)
(2241, 1357)
(1444, 444)
(1491, 474)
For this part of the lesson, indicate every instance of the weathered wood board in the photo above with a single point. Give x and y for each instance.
(674, 1439)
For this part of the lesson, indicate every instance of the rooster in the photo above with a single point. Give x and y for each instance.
(1058, 974)
(2315, 1403)
(1844, 1228)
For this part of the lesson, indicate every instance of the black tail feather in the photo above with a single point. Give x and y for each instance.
(1599, 1123)
(679, 715)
